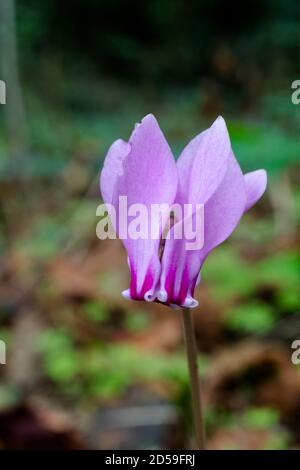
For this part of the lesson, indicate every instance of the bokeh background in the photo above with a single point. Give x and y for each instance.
(85, 368)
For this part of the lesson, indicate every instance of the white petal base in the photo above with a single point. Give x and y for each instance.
(150, 296)
(162, 296)
(190, 302)
(126, 294)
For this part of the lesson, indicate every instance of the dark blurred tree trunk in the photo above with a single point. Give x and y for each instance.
(15, 121)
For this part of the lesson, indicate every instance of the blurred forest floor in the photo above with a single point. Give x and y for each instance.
(85, 368)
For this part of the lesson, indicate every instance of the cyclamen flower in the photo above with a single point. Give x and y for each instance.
(144, 170)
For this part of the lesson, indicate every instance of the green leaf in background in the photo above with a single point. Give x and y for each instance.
(280, 441)
(280, 270)
(60, 359)
(264, 146)
(95, 312)
(254, 317)
(62, 368)
(260, 417)
(228, 275)
(107, 370)
(288, 298)
(136, 321)
(253, 230)
(43, 241)
(278, 266)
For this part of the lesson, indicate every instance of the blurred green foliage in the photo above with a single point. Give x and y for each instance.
(253, 419)
(262, 418)
(136, 321)
(235, 279)
(265, 143)
(231, 276)
(95, 312)
(105, 370)
(253, 317)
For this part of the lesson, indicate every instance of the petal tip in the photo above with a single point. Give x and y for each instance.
(126, 294)
(219, 128)
(220, 121)
(162, 296)
(256, 183)
(149, 118)
(149, 296)
(190, 302)
(264, 178)
(264, 174)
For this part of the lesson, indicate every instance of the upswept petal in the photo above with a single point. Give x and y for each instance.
(113, 169)
(145, 172)
(180, 267)
(222, 212)
(225, 209)
(203, 163)
(256, 183)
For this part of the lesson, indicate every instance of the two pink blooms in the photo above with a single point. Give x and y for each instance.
(144, 170)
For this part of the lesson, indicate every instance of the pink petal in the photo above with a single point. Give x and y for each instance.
(222, 212)
(256, 183)
(179, 267)
(113, 168)
(150, 173)
(147, 174)
(226, 207)
(203, 163)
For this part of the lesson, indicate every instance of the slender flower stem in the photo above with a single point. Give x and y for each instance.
(191, 350)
